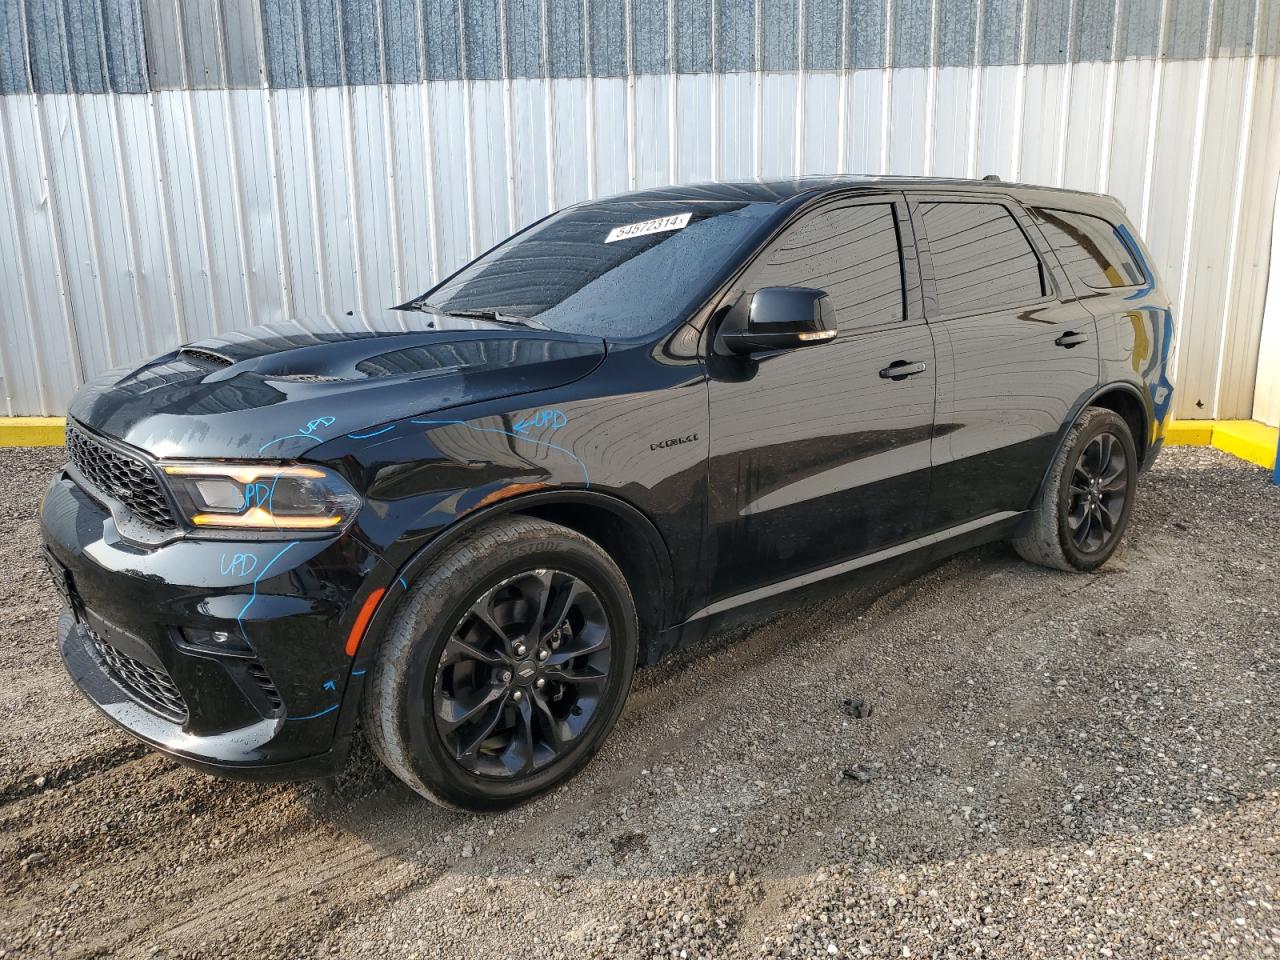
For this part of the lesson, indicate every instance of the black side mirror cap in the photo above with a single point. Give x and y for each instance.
(776, 318)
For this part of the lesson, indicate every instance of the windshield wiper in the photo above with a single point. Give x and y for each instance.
(485, 313)
(497, 316)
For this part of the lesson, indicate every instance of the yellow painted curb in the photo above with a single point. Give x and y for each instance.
(32, 431)
(1189, 433)
(1248, 440)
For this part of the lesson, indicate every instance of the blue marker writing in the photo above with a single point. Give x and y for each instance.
(549, 419)
(310, 428)
(371, 433)
(254, 595)
(318, 713)
(304, 433)
(258, 495)
(239, 564)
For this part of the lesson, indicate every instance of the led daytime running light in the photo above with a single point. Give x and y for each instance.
(242, 473)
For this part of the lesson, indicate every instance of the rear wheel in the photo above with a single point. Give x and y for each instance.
(506, 668)
(1084, 507)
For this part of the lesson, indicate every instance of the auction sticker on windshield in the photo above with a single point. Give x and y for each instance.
(677, 221)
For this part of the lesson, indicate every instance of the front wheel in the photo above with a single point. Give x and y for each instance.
(1083, 510)
(506, 668)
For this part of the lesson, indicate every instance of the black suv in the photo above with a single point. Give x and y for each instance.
(467, 520)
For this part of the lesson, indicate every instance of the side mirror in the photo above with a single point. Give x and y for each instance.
(777, 318)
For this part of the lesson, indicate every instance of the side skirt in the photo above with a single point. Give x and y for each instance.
(936, 546)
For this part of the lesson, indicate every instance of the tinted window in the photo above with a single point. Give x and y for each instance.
(570, 274)
(1090, 248)
(852, 253)
(981, 257)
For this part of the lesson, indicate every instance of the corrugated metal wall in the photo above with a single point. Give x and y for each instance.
(1266, 401)
(174, 169)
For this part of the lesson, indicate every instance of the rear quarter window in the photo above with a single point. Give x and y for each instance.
(1090, 248)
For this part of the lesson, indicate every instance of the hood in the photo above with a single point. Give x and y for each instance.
(245, 394)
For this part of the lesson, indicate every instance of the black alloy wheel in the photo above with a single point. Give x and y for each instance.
(522, 674)
(505, 667)
(1098, 492)
(1079, 516)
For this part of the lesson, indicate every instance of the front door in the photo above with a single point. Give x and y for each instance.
(821, 454)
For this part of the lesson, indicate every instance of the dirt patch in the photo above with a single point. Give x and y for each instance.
(1053, 765)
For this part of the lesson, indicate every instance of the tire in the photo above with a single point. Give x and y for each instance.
(450, 653)
(1054, 535)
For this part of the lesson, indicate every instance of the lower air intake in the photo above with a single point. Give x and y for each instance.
(149, 686)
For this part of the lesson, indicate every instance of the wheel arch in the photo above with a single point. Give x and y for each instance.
(1123, 399)
(1126, 400)
(631, 540)
(622, 530)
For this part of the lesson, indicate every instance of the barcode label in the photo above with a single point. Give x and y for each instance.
(676, 221)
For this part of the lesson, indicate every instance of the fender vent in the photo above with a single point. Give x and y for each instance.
(308, 378)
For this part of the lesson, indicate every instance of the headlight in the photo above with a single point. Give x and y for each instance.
(254, 496)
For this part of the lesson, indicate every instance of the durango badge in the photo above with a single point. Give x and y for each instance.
(674, 441)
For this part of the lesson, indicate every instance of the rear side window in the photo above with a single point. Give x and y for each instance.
(981, 258)
(850, 252)
(1090, 248)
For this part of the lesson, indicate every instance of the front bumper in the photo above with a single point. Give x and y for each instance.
(282, 707)
(248, 753)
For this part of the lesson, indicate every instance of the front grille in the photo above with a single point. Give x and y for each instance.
(149, 686)
(119, 477)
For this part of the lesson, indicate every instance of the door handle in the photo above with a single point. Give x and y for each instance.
(1071, 339)
(901, 369)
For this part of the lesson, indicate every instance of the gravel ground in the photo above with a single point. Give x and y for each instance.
(1054, 765)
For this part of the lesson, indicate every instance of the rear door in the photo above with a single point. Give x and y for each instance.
(1016, 353)
(816, 457)
(1113, 278)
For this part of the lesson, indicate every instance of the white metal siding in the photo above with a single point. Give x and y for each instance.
(1266, 400)
(130, 222)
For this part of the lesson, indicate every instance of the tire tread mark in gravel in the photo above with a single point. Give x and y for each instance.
(23, 786)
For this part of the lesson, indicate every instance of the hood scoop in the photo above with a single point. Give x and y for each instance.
(204, 358)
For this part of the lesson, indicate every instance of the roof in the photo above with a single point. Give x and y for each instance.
(783, 190)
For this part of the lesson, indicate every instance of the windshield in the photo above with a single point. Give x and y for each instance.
(621, 269)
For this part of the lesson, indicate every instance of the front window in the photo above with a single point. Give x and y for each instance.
(852, 253)
(622, 269)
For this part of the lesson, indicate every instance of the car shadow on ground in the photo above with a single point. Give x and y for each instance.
(1011, 707)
